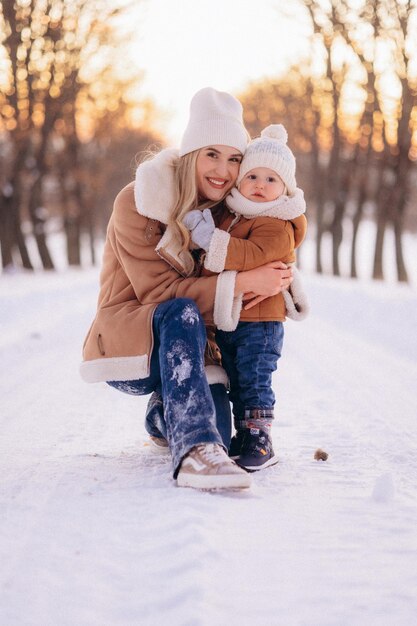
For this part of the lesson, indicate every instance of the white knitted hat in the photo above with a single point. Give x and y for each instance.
(270, 150)
(216, 117)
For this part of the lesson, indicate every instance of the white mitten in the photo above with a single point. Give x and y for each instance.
(192, 218)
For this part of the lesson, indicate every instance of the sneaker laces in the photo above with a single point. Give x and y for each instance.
(212, 452)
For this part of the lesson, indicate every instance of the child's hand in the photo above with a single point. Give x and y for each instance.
(201, 226)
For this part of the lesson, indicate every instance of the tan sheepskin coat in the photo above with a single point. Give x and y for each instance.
(142, 267)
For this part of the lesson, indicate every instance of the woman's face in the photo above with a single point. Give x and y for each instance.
(217, 168)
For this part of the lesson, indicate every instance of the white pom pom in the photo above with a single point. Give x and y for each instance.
(275, 131)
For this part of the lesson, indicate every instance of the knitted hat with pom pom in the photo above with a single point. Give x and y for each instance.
(270, 150)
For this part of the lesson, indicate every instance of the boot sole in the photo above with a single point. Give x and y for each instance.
(228, 481)
(255, 468)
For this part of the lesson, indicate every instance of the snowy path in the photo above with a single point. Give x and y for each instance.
(94, 532)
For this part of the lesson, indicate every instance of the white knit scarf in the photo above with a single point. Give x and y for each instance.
(284, 207)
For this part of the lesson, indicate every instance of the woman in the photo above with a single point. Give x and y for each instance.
(149, 331)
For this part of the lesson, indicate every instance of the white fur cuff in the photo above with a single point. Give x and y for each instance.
(216, 255)
(215, 375)
(296, 301)
(227, 306)
(115, 368)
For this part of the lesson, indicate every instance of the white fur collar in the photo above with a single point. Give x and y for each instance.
(285, 207)
(154, 198)
(155, 186)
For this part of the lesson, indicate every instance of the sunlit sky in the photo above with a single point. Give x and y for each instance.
(184, 45)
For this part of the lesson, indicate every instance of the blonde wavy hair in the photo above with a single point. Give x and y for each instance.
(186, 193)
(187, 197)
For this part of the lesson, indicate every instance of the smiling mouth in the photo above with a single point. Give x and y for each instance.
(217, 183)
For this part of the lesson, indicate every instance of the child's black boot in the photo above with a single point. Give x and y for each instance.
(256, 450)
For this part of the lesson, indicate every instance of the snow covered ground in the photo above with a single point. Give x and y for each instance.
(94, 531)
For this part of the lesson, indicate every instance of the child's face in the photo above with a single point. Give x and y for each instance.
(261, 185)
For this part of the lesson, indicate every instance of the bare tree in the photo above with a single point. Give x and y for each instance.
(388, 24)
(359, 154)
(50, 46)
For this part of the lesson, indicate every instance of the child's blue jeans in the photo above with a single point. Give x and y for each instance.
(177, 370)
(250, 355)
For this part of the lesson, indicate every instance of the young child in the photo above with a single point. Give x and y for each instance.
(266, 223)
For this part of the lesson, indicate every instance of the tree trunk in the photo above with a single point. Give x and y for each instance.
(72, 231)
(378, 271)
(386, 180)
(398, 217)
(14, 233)
(38, 223)
(363, 162)
(6, 232)
(339, 212)
(12, 237)
(21, 244)
(319, 201)
(399, 257)
(403, 171)
(89, 220)
(357, 218)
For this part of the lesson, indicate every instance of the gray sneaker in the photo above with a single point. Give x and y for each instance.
(207, 466)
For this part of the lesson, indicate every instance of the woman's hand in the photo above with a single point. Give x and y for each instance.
(263, 282)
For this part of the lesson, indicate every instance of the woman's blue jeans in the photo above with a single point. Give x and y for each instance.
(190, 416)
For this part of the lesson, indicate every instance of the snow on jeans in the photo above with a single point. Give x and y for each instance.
(177, 368)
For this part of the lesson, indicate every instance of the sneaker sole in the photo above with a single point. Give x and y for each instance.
(160, 450)
(228, 481)
(255, 468)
